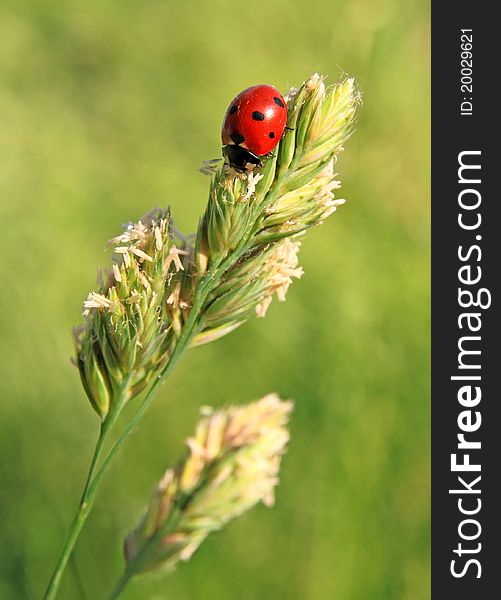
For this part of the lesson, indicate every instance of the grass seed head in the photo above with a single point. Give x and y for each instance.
(232, 463)
(128, 327)
(258, 216)
(244, 252)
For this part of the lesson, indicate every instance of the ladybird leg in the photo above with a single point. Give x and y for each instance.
(209, 166)
(258, 166)
(286, 129)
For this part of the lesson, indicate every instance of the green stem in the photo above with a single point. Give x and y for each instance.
(136, 565)
(78, 522)
(121, 584)
(86, 500)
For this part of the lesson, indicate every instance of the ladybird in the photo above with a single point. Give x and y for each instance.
(253, 125)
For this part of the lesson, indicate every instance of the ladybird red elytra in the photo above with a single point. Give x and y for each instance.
(253, 125)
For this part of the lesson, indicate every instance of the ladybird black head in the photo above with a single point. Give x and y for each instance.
(240, 159)
(233, 109)
(279, 102)
(258, 116)
(237, 138)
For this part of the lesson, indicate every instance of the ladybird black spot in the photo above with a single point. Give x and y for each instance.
(257, 116)
(237, 138)
(233, 109)
(277, 100)
(271, 134)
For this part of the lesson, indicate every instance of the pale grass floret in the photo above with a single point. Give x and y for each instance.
(135, 232)
(141, 254)
(116, 273)
(158, 238)
(316, 81)
(97, 301)
(283, 266)
(174, 257)
(124, 253)
(252, 180)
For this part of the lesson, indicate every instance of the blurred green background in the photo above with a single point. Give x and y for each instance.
(106, 110)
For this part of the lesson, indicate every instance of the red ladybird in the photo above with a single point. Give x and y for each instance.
(253, 126)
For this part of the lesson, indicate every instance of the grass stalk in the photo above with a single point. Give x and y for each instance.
(84, 506)
(159, 299)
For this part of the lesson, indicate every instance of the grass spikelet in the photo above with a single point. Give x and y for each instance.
(231, 464)
(128, 327)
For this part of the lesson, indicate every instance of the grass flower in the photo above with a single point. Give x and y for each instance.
(231, 464)
(129, 330)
